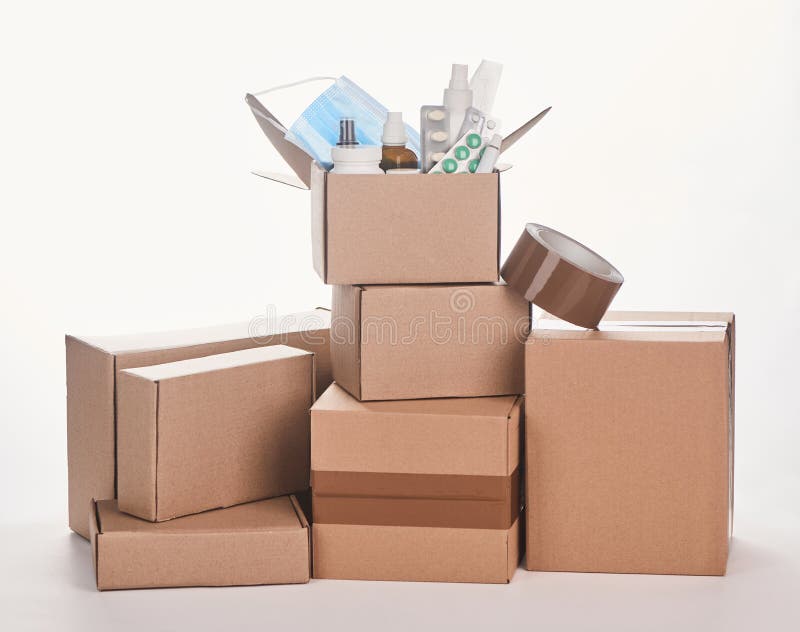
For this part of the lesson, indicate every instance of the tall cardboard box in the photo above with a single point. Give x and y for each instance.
(629, 444)
(423, 341)
(93, 364)
(416, 490)
(418, 228)
(212, 432)
(264, 542)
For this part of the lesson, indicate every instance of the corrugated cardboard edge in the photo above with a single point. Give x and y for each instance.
(94, 539)
(91, 452)
(732, 414)
(319, 221)
(138, 411)
(515, 540)
(346, 338)
(304, 523)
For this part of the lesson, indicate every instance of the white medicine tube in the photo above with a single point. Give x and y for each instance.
(490, 155)
(457, 98)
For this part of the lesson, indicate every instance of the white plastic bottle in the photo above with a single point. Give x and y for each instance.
(457, 98)
(349, 157)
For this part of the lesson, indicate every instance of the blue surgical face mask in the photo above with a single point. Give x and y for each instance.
(317, 128)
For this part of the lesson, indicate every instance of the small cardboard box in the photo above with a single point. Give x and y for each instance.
(213, 432)
(629, 444)
(93, 364)
(416, 490)
(417, 228)
(420, 341)
(265, 542)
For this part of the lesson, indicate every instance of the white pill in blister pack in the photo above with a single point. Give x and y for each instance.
(434, 135)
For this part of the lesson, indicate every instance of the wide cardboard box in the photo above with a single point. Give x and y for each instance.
(420, 341)
(93, 364)
(629, 444)
(416, 490)
(213, 432)
(416, 228)
(265, 542)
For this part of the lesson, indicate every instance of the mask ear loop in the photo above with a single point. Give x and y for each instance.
(295, 83)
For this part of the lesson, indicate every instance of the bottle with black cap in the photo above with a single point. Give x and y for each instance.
(351, 157)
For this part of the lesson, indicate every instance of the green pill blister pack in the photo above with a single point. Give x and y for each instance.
(465, 154)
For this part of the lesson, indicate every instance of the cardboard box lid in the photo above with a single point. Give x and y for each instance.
(219, 362)
(274, 514)
(641, 325)
(471, 436)
(318, 318)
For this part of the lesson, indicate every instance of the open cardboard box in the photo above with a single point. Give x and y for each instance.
(411, 228)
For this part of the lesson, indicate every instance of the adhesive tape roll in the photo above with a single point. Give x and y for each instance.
(562, 276)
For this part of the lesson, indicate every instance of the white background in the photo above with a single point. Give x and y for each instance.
(127, 205)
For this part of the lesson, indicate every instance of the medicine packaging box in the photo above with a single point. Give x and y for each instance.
(264, 542)
(419, 341)
(416, 490)
(412, 228)
(94, 363)
(629, 444)
(213, 432)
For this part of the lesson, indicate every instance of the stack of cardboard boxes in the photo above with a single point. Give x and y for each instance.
(424, 413)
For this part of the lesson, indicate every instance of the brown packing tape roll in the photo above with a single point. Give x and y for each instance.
(415, 500)
(562, 276)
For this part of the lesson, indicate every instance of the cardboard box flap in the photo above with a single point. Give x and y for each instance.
(218, 362)
(297, 159)
(281, 178)
(152, 341)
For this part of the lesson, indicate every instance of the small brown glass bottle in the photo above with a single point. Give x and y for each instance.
(395, 153)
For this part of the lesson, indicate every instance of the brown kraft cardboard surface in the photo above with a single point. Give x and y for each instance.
(213, 432)
(93, 364)
(264, 542)
(405, 228)
(629, 444)
(426, 341)
(416, 490)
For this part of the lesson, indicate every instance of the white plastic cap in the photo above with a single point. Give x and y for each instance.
(458, 77)
(394, 132)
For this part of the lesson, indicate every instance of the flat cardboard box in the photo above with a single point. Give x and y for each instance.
(212, 432)
(93, 364)
(422, 341)
(416, 490)
(265, 542)
(629, 444)
(417, 228)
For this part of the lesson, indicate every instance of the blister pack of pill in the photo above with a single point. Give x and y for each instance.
(434, 135)
(465, 155)
(476, 121)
